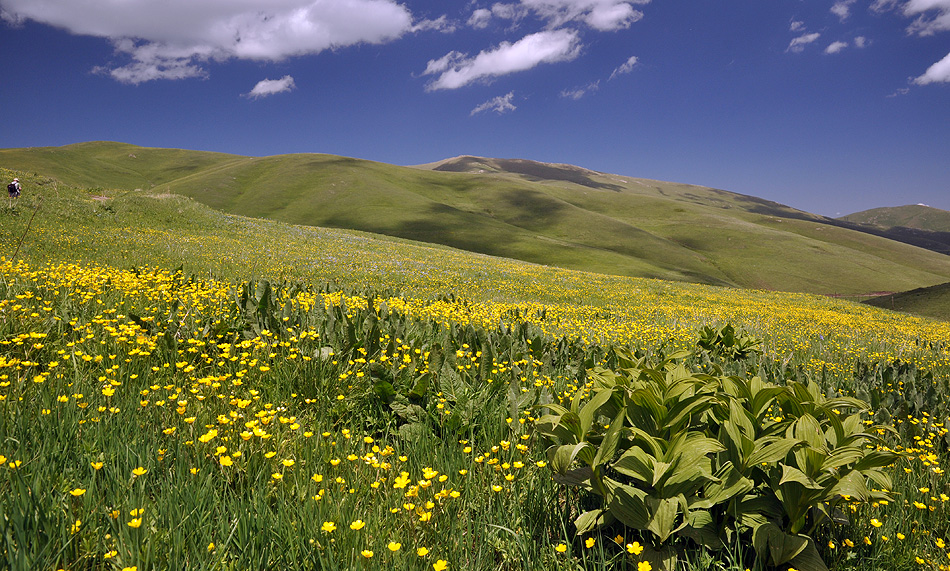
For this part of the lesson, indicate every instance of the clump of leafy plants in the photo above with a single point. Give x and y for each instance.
(715, 460)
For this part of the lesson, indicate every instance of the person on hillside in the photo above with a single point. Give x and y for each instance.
(13, 189)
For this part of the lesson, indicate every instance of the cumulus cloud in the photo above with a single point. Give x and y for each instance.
(171, 39)
(797, 45)
(835, 47)
(796, 26)
(500, 104)
(268, 87)
(861, 42)
(625, 67)
(455, 69)
(480, 19)
(937, 73)
(579, 92)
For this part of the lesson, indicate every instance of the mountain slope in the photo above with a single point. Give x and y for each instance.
(933, 301)
(917, 216)
(558, 215)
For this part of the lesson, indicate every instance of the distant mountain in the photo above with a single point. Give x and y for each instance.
(919, 216)
(915, 224)
(554, 214)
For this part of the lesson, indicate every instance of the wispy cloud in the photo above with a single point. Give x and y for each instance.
(937, 73)
(842, 9)
(625, 67)
(797, 45)
(456, 69)
(579, 92)
(932, 16)
(267, 87)
(173, 39)
(601, 15)
(500, 104)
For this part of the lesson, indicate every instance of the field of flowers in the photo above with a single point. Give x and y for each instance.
(372, 403)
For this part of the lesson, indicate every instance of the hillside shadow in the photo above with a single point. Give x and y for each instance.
(531, 170)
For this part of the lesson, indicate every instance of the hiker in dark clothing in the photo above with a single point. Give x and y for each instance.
(13, 189)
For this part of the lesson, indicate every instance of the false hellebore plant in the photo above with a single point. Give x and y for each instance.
(716, 459)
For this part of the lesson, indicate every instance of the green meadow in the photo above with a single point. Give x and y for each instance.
(187, 387)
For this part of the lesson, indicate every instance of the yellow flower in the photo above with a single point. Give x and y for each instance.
(110, 554)
(211, 546)
(277, 476)
(393, 546)
(78, 492)
(75, 527)
(136, 522)
(876, 523)
(644, 566)
(366, 553)
(422, 551)
(328, 527)
(226, 461)
(589, 542)
(140, 471)
(132, 568)
(900, 535)
(634, 548)
(287, 463)
(440, 565)
(560, 548)
(357, 525)
(95, 465)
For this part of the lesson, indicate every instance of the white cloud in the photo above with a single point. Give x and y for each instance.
(170, 39)
(500, 104)
(798, 44)
(842, 9)
(456, 70)
(937, 73)
(440, 24)
(835, 47)
(268, 87)
(625, 67)
(926, 23)
(579, 92)
(480, 19)
(861, 42)
(603, 15)
(796, 26)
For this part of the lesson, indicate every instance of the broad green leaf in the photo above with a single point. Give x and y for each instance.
(664, 516)
(729, 483)
(771, 449)
(701, 528)
(588, 412)
(591, 520)
(635, 463)
(772, 543)
(628, 507)
(790, 474)
(607, 448)
(564, 456)
(852, 485)
(842, 457)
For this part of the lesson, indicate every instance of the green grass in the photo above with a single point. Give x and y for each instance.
(555, 215)
(931, 301)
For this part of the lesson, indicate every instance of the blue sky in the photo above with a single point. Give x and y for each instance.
(830, 106)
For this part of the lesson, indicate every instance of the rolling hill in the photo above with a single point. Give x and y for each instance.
(553, 214)
(919, 216)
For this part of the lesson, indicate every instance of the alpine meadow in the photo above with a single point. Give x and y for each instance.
(476, 364)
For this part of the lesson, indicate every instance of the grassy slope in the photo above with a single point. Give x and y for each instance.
(933, 301)
(909, 216)
(550, 214)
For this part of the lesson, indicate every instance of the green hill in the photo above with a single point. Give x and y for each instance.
(919, 216)
(933, 301)
(558, 215)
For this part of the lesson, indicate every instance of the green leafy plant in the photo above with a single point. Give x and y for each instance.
(712, 458)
